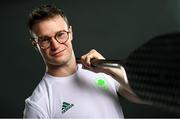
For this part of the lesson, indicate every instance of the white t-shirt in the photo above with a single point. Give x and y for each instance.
(84, 94)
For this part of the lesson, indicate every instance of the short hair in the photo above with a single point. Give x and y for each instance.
(44, 12)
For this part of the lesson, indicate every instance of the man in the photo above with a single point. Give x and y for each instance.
(68, 90)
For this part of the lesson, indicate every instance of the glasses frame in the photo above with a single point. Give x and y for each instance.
(36, 41)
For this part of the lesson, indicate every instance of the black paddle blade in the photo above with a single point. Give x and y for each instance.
(153, 71)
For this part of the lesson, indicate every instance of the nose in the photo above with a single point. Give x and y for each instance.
(54, 44)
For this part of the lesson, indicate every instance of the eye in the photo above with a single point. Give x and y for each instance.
(43, 39)
(60, 35)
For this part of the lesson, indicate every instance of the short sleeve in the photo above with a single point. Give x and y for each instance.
(33, 111)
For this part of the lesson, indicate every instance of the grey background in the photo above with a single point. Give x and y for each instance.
(114, 28)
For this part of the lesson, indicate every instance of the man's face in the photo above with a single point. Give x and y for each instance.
(57, 53)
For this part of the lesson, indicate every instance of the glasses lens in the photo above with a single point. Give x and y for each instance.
(61, 36)
(44, 41)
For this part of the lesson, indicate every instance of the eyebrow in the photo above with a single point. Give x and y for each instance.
(55, 33)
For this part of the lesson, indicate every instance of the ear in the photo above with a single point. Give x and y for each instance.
(34, 44)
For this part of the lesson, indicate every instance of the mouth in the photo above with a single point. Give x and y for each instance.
(58, 53)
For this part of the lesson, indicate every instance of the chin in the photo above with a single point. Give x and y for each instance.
(58, 62)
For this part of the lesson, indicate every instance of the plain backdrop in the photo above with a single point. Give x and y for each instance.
(112, 27)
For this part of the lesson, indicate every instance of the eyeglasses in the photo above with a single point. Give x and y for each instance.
(45, 41)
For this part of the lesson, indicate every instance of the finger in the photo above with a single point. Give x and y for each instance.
(87, 58)
(83, 60)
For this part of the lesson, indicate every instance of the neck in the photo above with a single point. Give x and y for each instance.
(62, 70)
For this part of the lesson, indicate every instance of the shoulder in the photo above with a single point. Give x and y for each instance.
(39, 91)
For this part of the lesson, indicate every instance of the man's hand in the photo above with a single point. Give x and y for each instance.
(87, 58)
